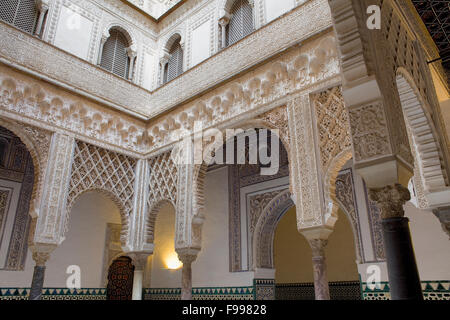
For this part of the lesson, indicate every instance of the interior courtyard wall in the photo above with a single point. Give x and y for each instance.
(431, 244)
(161, 275)
(292, 253)
(212, 267)
(84, 246)
(78, 27)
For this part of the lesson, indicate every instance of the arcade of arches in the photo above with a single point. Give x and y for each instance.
(98, 202)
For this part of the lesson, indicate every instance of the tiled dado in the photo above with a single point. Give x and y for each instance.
(432, 290)
(212, 293)
(55, 294)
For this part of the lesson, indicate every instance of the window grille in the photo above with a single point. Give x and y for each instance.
(20, 13)
(241, 22)
(175, 64)
(114, 56)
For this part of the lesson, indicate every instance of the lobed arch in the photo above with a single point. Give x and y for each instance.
(201, 169)
(226, 5)
(426, 146)
(152, 214)
(263, 236)
(126, 31)
(39, 154)
(330, 179)
(172, 39)
(124, 215)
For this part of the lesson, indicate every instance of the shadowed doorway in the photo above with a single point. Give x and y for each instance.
(120, 279)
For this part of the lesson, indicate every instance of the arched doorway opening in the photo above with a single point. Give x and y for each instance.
(16, 189)
(164, 267)
(234, 191)
(120, 279)
(293, 261)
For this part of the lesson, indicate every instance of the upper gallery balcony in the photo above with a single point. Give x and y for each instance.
(43, 60)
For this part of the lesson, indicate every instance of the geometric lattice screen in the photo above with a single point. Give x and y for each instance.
(114, 56)
(95, 168)
(20, 13)
(436, 17)
(163, 179)
(241, 22)
(162, 188)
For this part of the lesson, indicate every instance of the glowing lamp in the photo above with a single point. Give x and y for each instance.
(173, 263)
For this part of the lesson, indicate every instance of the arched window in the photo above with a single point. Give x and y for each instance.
(175, 65)
(20, 13)
(114, 55)
(241, 22)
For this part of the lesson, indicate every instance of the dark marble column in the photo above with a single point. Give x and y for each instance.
(37, 283)
(41, 254)
(404, 281)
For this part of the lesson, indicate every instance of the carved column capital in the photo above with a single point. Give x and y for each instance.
(223, 21)
(187, 256)
(318, 247)
(317, 239)
(41, 253)
(164, 59)
(132, 51)
(139, 259)
(390, 199)
(43, 5)
(105, 36)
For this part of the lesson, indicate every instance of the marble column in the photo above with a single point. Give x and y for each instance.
(139, 262)
(223, 22)
(186, 275)
(42, 6)
(163, 62)
(40, 255)
(404, 281)
(132, 54)
(321, 289)
(103, 40)
(318, 239)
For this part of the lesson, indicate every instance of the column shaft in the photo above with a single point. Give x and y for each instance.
(321, 288)
(37, 283)
(404, 281)
(224, 36)
(137, 284)
(186, 281)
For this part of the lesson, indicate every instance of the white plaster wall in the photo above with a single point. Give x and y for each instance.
(83, 246)
(201, 39)
(275, 8)
(148, 74)
(211, 269)
(161, 276)
(73, 33)
(431, 244)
